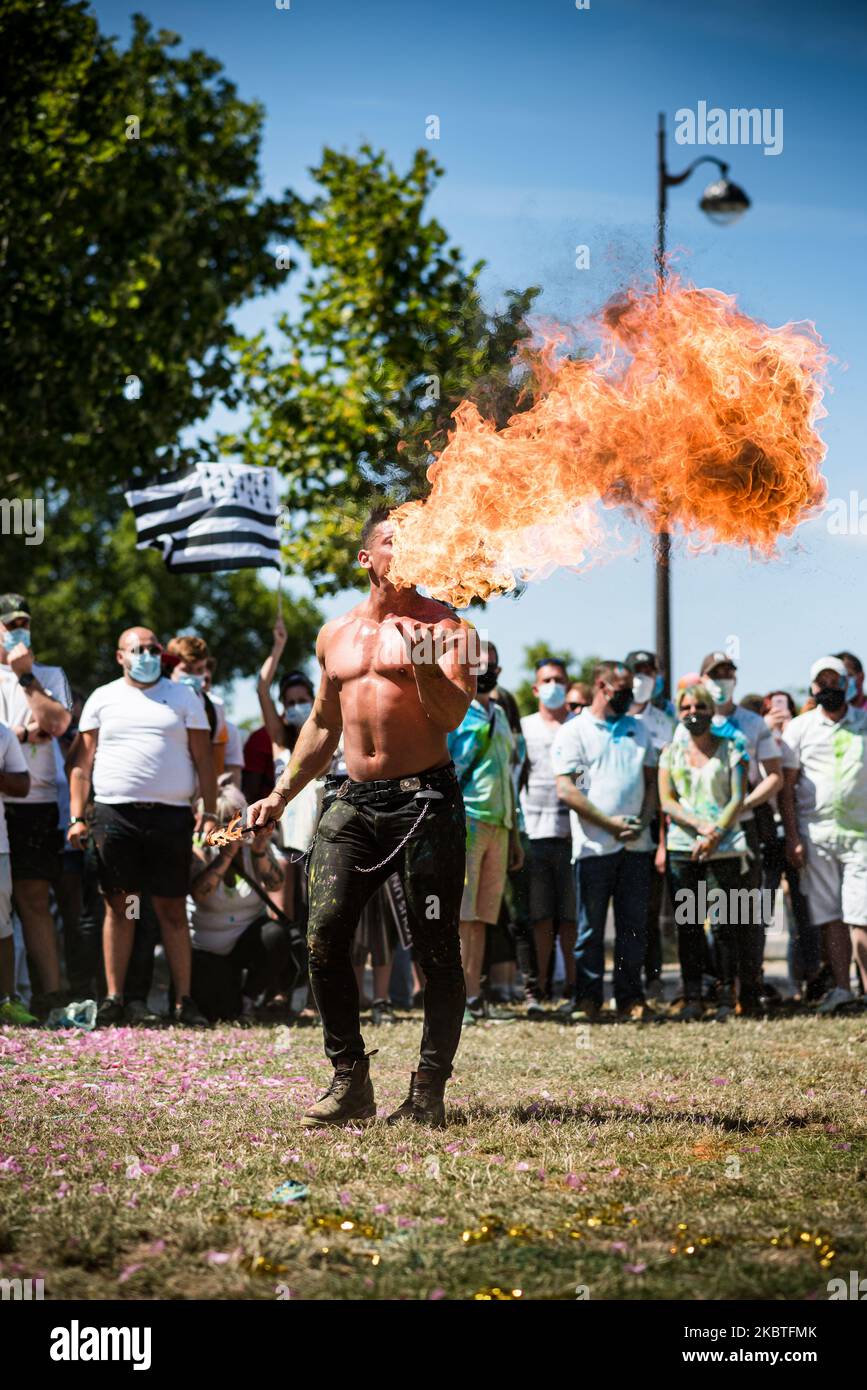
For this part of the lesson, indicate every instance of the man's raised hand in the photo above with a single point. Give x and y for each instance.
(425, 644)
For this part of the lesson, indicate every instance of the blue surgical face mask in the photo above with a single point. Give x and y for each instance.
(145, 667)
(195, 681)
(14, 636)
(552, 694)
(297, 715)
(851, 688)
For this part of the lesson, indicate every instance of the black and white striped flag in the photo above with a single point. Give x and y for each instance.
(216, 516)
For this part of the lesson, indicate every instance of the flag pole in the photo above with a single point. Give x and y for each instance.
(281, 522)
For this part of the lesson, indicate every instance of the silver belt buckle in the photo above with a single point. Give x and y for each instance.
(410, 784)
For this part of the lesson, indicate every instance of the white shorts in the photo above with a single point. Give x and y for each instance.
(834, 882)
(5, 896)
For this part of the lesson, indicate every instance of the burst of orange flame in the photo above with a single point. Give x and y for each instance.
(693, 418)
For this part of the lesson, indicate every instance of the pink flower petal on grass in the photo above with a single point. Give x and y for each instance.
(635, 1269)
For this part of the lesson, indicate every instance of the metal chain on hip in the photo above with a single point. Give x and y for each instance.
(296, 859)
(397, 849)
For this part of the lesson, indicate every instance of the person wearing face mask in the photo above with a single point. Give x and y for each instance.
(645, 682)
(552, 907)
(186, 661)
(280, 727)
(765, 779)
(605, 765)
(646, 687)
(855, 696)
(702, 784)
(824, 809)
(300, 816)
(35, 701)
(143, 743)
(482, 747)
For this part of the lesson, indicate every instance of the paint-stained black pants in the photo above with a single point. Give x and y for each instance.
(360, 827)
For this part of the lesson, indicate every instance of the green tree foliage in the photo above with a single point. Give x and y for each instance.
(578, 668)
(391, 336)
(87, 582)
(119, 257)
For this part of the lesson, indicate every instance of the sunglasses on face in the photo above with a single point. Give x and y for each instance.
(575, 705)
(151, 647)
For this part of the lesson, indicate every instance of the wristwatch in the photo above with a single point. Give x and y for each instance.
(27, 680)
(76, 820)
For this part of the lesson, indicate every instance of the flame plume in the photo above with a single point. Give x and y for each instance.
(692, 418)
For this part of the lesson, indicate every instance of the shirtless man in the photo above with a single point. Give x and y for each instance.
(396, 679)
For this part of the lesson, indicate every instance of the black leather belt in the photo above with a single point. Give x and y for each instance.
(386, 788)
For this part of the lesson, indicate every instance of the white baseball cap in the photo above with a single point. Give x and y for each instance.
(828, 663)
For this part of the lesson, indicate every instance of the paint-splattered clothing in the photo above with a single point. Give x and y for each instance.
(705, 792)
(831, 791)
(362, 823)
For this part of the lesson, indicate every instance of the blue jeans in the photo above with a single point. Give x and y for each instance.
(624, 878)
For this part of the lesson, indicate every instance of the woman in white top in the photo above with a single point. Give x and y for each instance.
(238, 950)
(299, 821)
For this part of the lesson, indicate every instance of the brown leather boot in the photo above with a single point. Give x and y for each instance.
(349, 1098)
(424, 1104)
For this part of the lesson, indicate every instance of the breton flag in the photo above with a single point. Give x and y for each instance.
(215, 516)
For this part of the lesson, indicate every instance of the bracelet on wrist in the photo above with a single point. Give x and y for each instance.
(283, 795)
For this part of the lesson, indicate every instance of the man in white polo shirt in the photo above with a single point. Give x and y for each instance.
(35, 702)
(605, 765)
(644, 668)
(143, 740)
(824, 809)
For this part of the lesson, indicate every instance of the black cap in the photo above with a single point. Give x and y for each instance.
(295, 678)
(715, 659)
(13, 606)
(640, 658)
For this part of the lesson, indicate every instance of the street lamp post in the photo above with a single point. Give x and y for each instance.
(724, 203)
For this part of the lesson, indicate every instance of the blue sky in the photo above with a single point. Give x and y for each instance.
(547, 134)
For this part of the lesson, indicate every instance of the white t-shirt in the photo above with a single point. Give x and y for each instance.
(142, 753)
(234, 748)
(659, 725)
(15, 709)
(11, 760)
(546, 817)
(831, 792)
(218, 921)
(760, 741)
(609, 757)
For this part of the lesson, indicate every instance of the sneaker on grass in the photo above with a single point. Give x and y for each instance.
(137, 1014)
(836, 998)
(382, 1012)
(188, 1014)
(13, 1011)
(110, 1013)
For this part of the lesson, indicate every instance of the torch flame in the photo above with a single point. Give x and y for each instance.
(693, 418)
